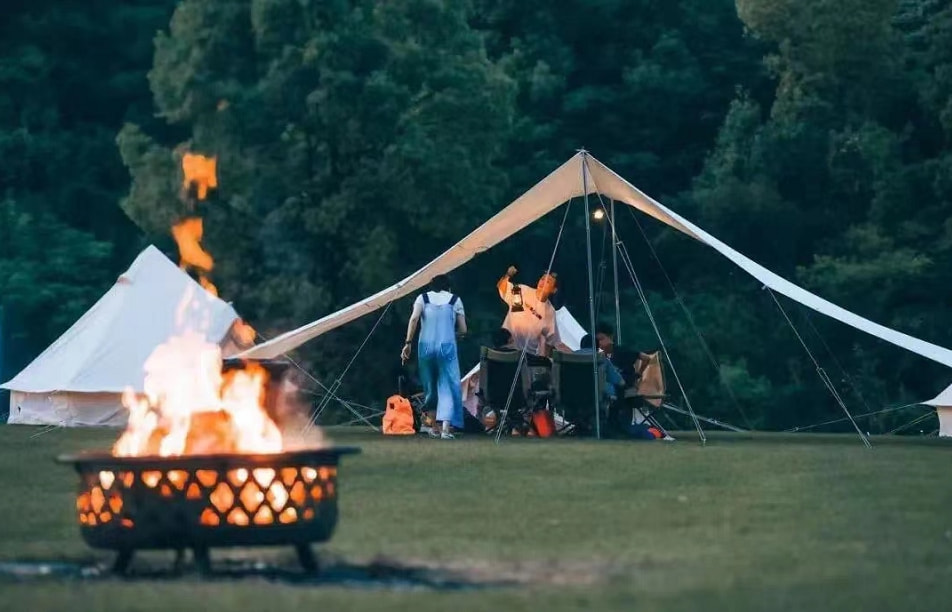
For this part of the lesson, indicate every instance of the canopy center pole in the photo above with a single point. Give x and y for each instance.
(591, 294)
(615, 274)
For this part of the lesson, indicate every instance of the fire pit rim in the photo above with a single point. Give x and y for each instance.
(172, 461)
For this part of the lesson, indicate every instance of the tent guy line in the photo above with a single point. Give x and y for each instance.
(819, 370)
(691, 321)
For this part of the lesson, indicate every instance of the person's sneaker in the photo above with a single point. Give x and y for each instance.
(431, 432)
(447, 436)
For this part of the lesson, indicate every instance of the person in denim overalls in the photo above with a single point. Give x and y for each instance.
(442, 318)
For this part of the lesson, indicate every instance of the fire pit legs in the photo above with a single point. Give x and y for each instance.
(179, 563)
(121, 564)
(203, 560)
(306, 558)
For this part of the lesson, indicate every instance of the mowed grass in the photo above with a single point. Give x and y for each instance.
(760, 522)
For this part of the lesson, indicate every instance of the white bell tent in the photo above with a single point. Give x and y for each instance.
(79, 379)
(943, 407)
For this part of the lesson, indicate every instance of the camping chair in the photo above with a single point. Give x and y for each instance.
(538, 381)
(647, 397)
(574, 393)
(497, 370)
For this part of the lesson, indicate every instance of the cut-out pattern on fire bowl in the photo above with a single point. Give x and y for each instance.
(214, 500)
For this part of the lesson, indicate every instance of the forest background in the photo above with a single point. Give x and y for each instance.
(356, 140)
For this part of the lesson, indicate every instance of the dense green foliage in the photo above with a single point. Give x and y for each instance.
(357, 140)
(70, 74)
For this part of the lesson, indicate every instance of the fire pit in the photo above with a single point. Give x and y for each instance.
(200, 501)
(215, 451)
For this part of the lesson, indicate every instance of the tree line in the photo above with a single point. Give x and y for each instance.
(357, 140)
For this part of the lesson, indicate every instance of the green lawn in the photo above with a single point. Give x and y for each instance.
(765, 522)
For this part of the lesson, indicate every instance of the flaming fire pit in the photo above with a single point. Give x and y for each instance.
(200, 501)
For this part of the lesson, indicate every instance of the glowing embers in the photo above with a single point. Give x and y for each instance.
(238, 517)
(222, 498)
(264, 496)
(239, 497)
(101, 501)
(129, 504)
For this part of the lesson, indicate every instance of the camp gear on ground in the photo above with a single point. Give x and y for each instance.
(543, 423)
(398, 419)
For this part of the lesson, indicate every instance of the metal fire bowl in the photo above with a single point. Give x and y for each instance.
(203, 501)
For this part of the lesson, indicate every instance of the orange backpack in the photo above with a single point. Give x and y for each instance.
(398, 419)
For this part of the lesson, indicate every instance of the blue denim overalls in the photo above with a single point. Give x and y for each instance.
(438, 362)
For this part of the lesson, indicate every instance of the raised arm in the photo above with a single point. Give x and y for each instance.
(504, 284)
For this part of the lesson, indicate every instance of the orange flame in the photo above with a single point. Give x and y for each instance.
(188, 236)
(200, 171)
(190, 407)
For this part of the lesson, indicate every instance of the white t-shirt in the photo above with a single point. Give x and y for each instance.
(438, 298)
(534, 328)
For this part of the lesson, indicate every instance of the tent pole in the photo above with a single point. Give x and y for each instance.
(615, 273)
(591, 293)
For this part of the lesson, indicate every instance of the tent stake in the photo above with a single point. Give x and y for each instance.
(591, 295)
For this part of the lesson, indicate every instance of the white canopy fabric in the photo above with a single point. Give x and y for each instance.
(565, 183)
(943, 399)
(104, 351)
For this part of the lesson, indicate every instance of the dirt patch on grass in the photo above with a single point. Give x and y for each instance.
(374, 573)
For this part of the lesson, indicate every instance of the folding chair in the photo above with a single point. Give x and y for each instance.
(497, 371)
(574, 390)
(647, 398)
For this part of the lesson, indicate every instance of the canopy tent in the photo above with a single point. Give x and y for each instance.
(78, 380)
(943, 407)
(581, 175)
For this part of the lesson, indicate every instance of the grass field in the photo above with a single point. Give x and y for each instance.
(765, 522)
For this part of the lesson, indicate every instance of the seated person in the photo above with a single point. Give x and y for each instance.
(613, 378)
(624, 359)
(502, 340)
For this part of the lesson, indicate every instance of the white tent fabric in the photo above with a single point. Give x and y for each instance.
(570, 332)
(945, 421)
(79, 378)
(562, 185)
(943, 407)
